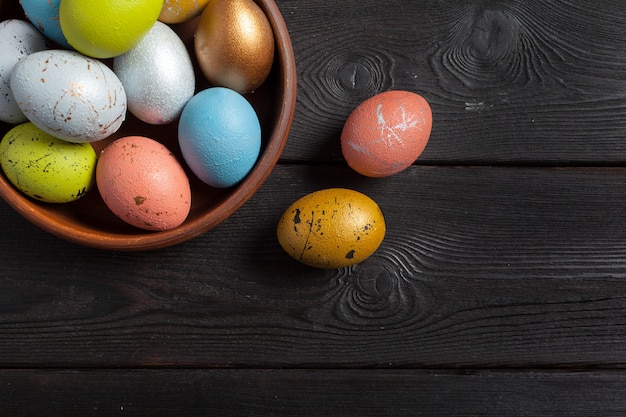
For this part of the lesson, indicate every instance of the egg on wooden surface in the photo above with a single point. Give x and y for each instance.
(332, 228)
(179, 11)
(386, 133)
(234, 44)
(18, 39)
(69, 95)
(44, 14)
(219, 134)
(143, 183)
(157, 75)
(46, 168)
(107, 28)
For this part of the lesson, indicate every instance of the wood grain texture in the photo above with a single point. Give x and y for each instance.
(499, 289)
(481, 267)
(510, 82)
(311, 393)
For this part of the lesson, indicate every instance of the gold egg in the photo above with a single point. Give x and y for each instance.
(332, 228)
(234, 44)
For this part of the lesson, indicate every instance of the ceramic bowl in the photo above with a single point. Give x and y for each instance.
(90, 223)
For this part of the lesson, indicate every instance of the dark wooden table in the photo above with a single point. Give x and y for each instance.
(500, 289)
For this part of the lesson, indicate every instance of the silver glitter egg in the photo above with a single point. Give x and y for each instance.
(157, 75)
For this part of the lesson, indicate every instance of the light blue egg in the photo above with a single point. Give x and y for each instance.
(44, 14)
(219, 136)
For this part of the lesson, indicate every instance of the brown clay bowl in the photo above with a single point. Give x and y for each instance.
(90, 223)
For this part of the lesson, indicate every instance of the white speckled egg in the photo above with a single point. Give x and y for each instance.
(157, 75)
(68, 95)
(18, 39)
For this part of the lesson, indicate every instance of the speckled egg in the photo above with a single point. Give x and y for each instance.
(143, 183)
(220, 136)
(68, 95)
(44, 14)
(179, 11)
(332, 228)
(18, 39)
(386, 133)
(46, 168)
(157, 75)
(107, 28)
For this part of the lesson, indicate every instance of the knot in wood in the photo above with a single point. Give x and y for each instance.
(492, 36)
(487, 50)
(375, 294)
(375, 281)
(355, 77)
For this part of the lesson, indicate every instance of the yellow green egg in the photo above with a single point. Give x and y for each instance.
(332, 228)
(107, 28)
(46, 168)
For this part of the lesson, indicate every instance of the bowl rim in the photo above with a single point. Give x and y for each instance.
(287, 86)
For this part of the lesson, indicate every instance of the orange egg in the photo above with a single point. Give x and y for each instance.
(141, 181)
(332, 228)
(386, 133)
(179, 11)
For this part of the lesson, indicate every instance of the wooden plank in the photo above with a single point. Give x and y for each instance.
(481, 267)
(517, 82)
(310, 393)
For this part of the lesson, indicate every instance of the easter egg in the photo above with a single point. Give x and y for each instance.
(219, 136)
(179, 11)
(107, 28)
(234, 44)
(18, 39)
(44, 14)
(157, 75)
(46, 168)
(332, 228)
(69, 95)
(386, 133)
(143, 183)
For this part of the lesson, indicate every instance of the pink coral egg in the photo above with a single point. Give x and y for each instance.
(143, 183)
(386, 133)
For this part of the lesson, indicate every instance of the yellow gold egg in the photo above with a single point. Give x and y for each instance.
(332, 228)
(179, 11)
(234, 44)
